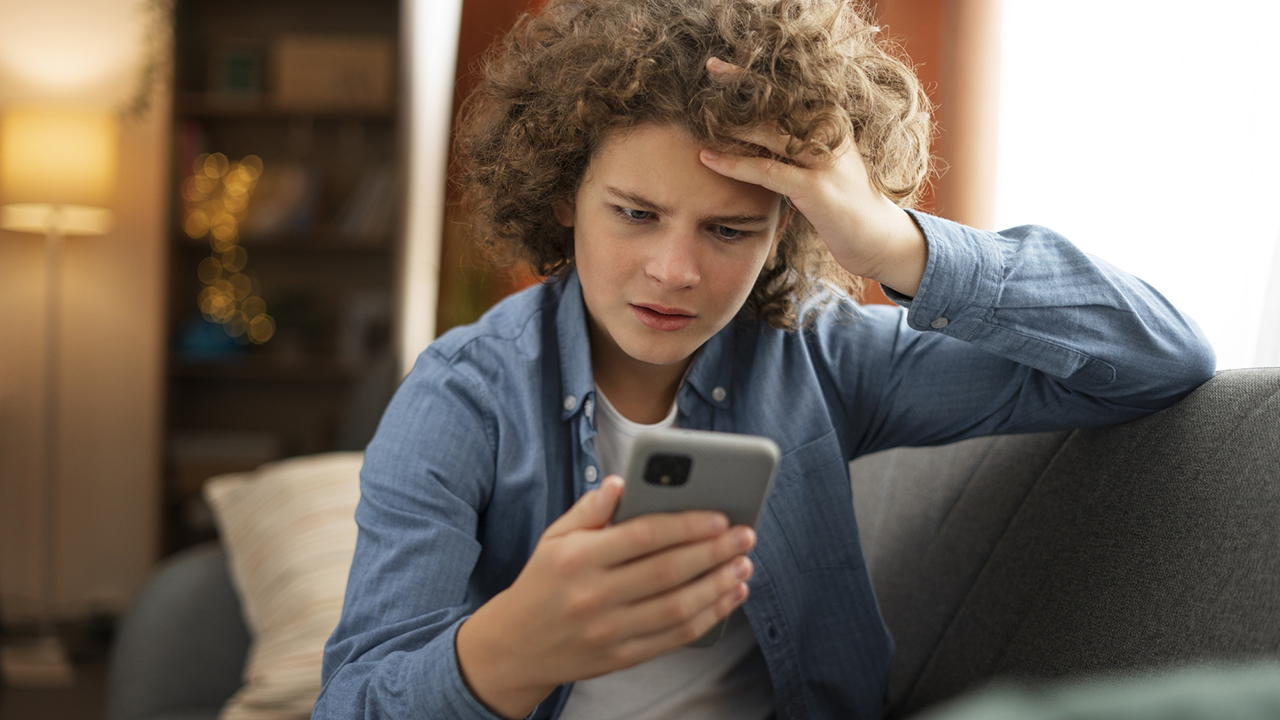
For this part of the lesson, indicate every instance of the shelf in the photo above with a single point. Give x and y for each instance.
(265, 370)
(200, 106)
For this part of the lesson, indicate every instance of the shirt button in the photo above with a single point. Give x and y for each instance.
(939, 323)
(591, 473)
(570, 402)
(718, 394)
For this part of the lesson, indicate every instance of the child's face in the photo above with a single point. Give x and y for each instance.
(667, 249)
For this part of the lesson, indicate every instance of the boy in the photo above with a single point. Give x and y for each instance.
(701, 182)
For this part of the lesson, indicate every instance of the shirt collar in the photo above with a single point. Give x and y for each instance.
(710, 375)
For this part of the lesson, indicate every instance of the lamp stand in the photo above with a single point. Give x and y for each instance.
(42, 661)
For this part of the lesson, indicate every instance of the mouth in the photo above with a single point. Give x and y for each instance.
(660, 317)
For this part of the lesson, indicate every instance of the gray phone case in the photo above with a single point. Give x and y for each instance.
(727, 472)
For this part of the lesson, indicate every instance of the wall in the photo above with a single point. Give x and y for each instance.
(112, 328)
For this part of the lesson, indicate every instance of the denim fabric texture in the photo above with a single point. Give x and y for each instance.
(491, 437)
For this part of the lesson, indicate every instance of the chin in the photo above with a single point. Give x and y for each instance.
(659, 351)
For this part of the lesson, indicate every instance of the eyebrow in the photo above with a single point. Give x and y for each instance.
(646, 204)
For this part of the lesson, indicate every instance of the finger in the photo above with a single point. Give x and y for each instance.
(766, 172)
(667, 570)
(593, 510)
(643, 647)
(678, 606)
(769, 138)
(722, 68)
(647, 534)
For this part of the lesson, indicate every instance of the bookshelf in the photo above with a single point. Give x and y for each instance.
(284, 233)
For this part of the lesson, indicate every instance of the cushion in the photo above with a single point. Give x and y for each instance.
(290, 533)
(1147, 545)
(930, 519)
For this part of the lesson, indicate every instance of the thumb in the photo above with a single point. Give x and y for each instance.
(593, 510)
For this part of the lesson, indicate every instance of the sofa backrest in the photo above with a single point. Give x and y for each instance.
(1143, 545)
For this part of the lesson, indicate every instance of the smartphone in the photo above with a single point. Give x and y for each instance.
(675, 470)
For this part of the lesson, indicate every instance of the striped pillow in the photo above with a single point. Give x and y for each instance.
(289, 531)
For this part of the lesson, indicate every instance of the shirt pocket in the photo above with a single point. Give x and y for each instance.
(812, 504)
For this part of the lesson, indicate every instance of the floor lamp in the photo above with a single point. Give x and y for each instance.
(57, 168)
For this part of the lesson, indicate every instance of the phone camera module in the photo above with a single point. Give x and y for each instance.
(668, 470)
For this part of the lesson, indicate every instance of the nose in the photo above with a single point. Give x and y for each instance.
(674, 261)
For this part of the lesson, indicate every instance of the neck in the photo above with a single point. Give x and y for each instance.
(641, 392)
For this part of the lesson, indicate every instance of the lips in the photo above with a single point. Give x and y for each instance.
(661, 317)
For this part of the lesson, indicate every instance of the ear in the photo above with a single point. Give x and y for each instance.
(564, 211)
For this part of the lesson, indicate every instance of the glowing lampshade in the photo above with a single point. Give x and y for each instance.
(57, 168)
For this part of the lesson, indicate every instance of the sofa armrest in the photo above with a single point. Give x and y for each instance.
(180, 649)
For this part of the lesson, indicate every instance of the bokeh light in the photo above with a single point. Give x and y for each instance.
(234, 260)
(216, 198)
(261, 329)
(210, 270)
(253, 307)
(243, 286)
(215, 165)
(197, 224)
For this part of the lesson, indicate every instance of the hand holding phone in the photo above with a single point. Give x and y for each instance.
(676, 470)
(596, 597)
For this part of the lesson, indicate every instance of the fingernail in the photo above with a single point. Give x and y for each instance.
(742, 568)
(745, 539)
(741, 594)
(711, 154)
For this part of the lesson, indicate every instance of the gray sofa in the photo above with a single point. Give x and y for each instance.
(1146, 545)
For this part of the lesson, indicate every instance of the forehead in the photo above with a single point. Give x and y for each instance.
(661, 164)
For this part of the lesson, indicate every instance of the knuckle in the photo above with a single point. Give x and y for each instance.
(727, 578)
(583, 602)
(601, 634)
(728, 602)
(692, 525)
(643, 533)
(693, 630)
(569, 560)
(680, 610)
(622, 656)
(666, 571)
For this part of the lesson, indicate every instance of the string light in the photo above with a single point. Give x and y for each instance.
(216, 198)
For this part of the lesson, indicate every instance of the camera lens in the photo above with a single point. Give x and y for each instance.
(668, 470)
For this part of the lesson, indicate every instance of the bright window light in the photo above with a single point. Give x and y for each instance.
(1147, 133)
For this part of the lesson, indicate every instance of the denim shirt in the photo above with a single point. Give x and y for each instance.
(491, 437)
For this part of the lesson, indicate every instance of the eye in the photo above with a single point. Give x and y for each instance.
(631, 215)
(728, 233)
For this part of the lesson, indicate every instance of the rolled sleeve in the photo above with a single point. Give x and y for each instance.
(961, 280)
(1051, 337)
(449, 696)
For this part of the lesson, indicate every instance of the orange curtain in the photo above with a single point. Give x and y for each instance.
(954, 46)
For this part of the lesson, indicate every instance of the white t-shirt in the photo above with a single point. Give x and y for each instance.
(727, 680)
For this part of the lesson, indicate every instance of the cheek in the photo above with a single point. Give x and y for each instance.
(734, 277)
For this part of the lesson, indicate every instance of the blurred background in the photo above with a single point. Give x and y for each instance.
(229, 231)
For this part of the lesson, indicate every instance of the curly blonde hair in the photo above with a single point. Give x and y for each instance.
(566, 77)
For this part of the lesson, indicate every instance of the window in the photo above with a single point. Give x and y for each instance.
(1147, 133)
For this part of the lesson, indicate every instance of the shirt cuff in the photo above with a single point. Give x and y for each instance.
(437, 681)
(961, 282)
